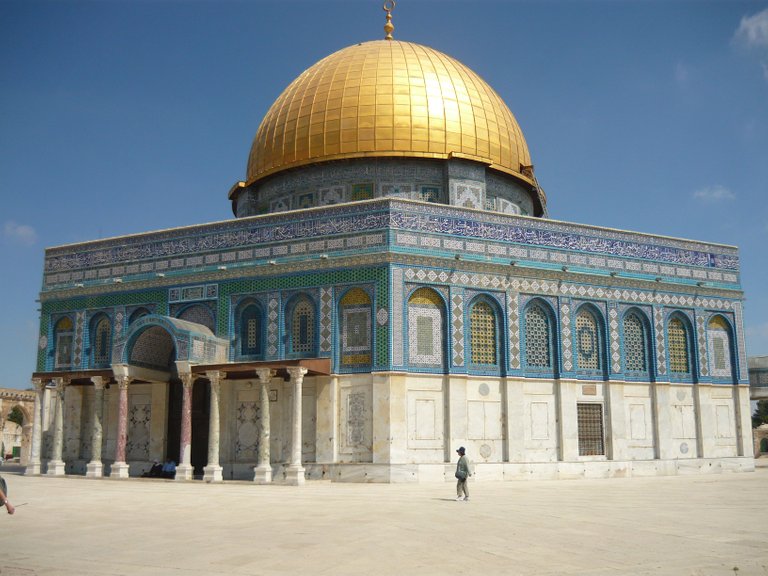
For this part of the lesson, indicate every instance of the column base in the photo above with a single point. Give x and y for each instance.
(55, 468)
(119, 470)
(262, 474)
(94, 469)
(32, 469)
(294, 475)
(184, 472)
(212, 474)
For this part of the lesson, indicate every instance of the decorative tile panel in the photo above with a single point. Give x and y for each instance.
(326, 319)
(513, 322)
(661, 351)
(613, 330)
(398, 307)
(741, 340)
(77, 354)
(701, 340)
(273, 325)
(565, 334)
(457, 325)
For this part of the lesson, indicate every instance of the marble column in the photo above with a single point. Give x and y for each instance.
(212, 472)
(120, 468)
(184, 469)
(56, 464)
(294, 473)
(262, 474)
(33, 468)
(94, 468)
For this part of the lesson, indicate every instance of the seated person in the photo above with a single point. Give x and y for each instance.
(169, 469)
(155, 472)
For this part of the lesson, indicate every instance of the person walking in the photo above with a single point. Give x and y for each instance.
(462, 474)
(4, 499)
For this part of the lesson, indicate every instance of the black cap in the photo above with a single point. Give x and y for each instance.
(461, 450)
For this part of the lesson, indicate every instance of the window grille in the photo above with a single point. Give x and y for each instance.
(101, 341)
(537, 338)
(590, 423)
(678, 347)
(635, 352)
(587, 341)
(303, 329)
(482, 324)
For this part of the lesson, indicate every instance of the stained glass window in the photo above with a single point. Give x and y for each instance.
(677, 336)
(482, 328)
(587, 342)
(719, 347)
(250, 331)
(537, 338)
(635, 349)
(101, 341)
(303, 327)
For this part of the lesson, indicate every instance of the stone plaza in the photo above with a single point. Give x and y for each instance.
(681, 525)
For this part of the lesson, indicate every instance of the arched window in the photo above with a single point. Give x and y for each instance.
(63, 333)
(588, 355)
(101, 341)
(251, 331)
(302, 327)
(635, 344)
(482, 334)
(426, 332)
(719, 340)
(199, 314)
(355, 324)
(538, 338)
(677, 344)
(136, 314)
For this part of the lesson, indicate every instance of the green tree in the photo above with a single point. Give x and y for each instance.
(16, 415)
(760, 416)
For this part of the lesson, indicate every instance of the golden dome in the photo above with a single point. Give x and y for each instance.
(387, 98)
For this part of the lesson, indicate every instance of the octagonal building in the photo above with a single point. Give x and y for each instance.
(390, 289)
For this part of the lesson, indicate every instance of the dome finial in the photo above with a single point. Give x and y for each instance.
(389, 5)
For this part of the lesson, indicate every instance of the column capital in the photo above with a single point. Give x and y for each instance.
(123, 382)
(39, 384)
(59, 383)
(99, 382)
(215, 376)
(297, 372)
(265, 374)
(187, 379)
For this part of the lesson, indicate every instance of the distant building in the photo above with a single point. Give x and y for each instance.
(15, 438)
(389, 289)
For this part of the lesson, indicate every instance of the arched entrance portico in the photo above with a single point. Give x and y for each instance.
(162, 351)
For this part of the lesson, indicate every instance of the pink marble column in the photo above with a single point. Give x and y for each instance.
(213, 471)
(294, 473)
(94, 468)
(33, 468)
(184, 469)
(120, 467)
(262, 474)
(56, 463)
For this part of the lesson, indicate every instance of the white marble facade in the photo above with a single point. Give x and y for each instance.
(396, 427)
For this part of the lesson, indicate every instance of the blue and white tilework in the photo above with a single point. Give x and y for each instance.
(457, 324)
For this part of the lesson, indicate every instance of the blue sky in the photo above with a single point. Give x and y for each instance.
(119, 117)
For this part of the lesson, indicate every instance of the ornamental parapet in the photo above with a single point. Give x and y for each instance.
(392, 226)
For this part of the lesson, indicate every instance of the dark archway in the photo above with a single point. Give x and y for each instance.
(201, 401)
